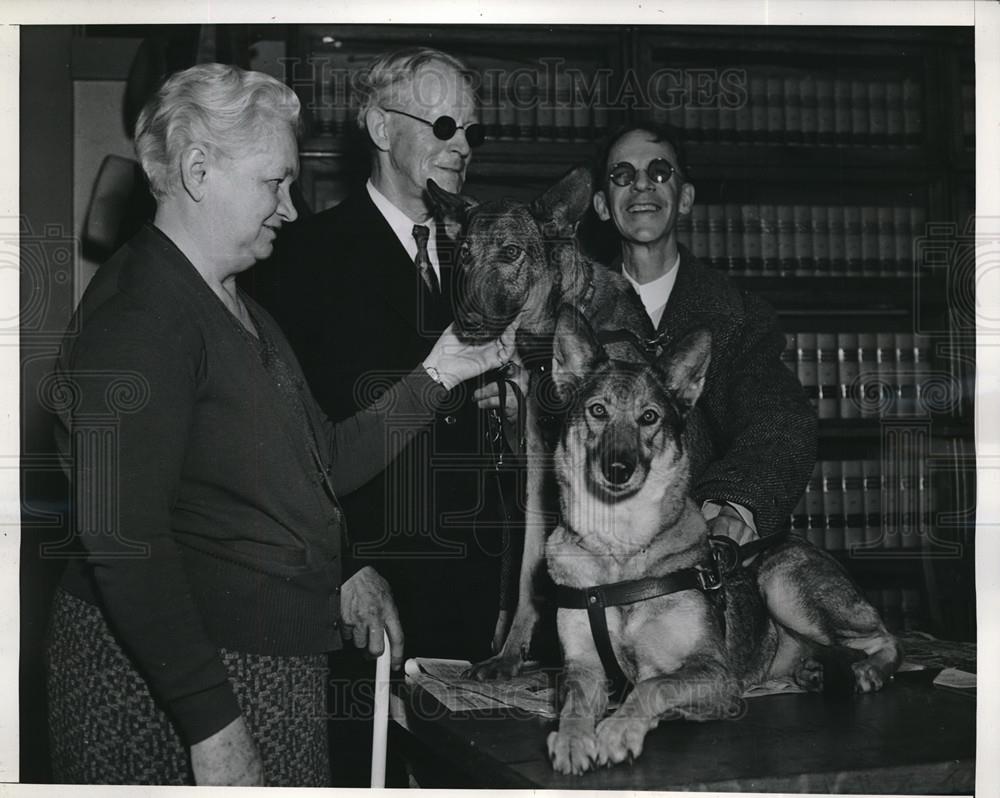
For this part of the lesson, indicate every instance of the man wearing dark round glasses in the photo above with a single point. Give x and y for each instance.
(753, 433)
(364, 292)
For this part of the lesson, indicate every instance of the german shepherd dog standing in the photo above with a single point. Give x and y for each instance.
(622, 470)
(520, 261)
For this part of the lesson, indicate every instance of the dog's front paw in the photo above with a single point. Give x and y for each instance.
(572, 750)
(619, 739)
(868, 677)
(496, 667)
(809, 675)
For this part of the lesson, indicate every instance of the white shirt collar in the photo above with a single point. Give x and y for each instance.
(402, 226)
(656, 293)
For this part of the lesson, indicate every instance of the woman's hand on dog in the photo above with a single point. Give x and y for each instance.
(452, 362)
(366, 608)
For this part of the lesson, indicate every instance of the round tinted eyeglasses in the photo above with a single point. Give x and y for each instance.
(445, 128)
(659, 170)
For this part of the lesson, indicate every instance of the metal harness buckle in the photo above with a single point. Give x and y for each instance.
(709, 577)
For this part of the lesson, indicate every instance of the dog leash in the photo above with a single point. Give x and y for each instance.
(727, 555)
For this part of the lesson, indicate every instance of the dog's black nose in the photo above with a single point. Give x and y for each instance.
(618, 471)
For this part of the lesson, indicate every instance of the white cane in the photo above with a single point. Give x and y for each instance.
(381, 715)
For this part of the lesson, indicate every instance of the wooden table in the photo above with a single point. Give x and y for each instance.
(909, 738)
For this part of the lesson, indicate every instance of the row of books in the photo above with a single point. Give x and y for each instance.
(804, 240)
(857, 506)
(869, 374)
(575, 108)
(746, 108)
(901, 609)
(809, 110)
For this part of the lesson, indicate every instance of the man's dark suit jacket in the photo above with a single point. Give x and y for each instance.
(753, 433)
(358, 315)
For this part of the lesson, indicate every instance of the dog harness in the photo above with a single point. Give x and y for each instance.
(727, 555)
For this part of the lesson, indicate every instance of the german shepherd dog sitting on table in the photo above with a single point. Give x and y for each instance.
(645, 596)
(632, 554)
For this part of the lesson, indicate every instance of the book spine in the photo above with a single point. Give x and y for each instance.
(752, 253)
(891, 511)
(877, 122)
(837, 240)
(854, 504)
(873, 503)
(726, 117)
(599, 113)
(847, 374)
(906, 374)
(769, 240)
(868, 374)
(810, 110)
(804, 266)
(758, 109)
(786, 240)
(820, 240)
(869, 241)
(734, 240)
(886, 242)
(902, 241)
(825, 114)
(921, 372)
(744, 116)
(886, 364)
(842, 113)
(699, 231)
(852, 240)
(506, 112)
(807, 365)
(525, 111)
(833, 506)
(716, 237)
(909, 507)
(562, 114)
(913, 126)
(580, 111)
(489, 112)
(894, 113)
(859, 113)
(793, 111)
(827, 375)
(775, 111)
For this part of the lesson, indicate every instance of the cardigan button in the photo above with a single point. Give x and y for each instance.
(449, 419)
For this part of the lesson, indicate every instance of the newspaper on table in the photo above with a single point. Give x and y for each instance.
(531, 691)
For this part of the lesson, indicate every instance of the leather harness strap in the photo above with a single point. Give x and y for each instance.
(708, 576)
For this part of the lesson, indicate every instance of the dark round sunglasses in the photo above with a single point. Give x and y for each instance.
(445, 128)
(659, 170)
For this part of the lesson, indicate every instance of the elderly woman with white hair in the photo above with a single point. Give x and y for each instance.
(188, 641)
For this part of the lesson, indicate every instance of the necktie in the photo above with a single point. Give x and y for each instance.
(423, 262)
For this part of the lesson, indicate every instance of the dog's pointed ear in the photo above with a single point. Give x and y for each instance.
(450, 208)
(686, 365)
(575, 351)
(564, 204)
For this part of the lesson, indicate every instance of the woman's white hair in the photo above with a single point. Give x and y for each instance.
(384, 81)
(221, 107)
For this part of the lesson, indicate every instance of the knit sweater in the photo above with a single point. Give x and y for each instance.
(206, 507)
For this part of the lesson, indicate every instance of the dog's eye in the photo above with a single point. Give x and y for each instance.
(649, 417)
(510, 252)
(597, 410)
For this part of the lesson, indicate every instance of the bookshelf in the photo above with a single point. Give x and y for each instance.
(835, 176)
